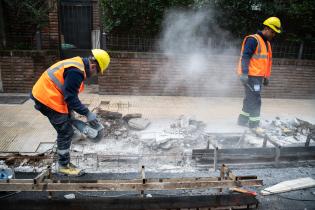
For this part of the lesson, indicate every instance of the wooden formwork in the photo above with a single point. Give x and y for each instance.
(267, 155)
(45, 182)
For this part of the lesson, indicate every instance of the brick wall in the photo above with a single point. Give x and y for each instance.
(20, 69)
(50, 34)
(154, 74)
(96, 14)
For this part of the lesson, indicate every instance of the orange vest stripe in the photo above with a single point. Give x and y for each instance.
(261, 61)
(49, 87)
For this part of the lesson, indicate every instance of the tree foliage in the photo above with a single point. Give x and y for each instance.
(32, 12)
(137, 16)
(245, 16)
(239, 17)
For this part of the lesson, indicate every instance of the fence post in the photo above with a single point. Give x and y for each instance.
(104, 41)
(38, 40)
(301, 50)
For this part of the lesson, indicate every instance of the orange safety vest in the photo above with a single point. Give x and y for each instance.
(261, 61)
(49, 87)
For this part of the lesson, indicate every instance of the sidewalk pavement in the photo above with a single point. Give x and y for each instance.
(22, 128)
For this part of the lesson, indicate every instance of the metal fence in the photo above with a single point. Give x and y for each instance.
(130, 43)
(133, 43)
(20, 41)
(281, 49)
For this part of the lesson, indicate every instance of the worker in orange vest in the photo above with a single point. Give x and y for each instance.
(56, 95)
(254, 70)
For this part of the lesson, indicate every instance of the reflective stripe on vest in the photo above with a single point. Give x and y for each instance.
(52, 76)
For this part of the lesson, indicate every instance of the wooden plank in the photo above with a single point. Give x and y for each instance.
(126, 186)
(289, 185)
(135, 180)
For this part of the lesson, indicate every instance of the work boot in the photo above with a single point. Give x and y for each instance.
(253, 124)
(70, 170)
(259, 131)
(242, 120)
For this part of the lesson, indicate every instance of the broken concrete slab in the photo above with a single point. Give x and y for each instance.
(109, 115)
(290, 185)
(289, 131)
(44, 147)
(127, 117)
(139, 123)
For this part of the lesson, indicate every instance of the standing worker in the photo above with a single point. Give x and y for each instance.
(254, 69)
(56, 96)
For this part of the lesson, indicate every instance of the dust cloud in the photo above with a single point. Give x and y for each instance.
(199, 56)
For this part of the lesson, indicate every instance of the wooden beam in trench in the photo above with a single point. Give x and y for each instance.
(122, 185)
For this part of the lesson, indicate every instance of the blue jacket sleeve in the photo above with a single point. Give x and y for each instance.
(73, 79)
(249, 50)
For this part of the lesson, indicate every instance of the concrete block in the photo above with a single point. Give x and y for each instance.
(139, 123)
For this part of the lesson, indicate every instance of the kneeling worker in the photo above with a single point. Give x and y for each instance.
(56, 96)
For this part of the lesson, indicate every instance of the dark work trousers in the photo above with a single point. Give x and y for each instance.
(62, 124)
(252, 100)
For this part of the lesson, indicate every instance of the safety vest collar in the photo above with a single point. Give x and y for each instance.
(259, 55)
(261, 61)
(51, 72)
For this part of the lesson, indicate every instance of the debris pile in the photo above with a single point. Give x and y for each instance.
(294, 131)
(187, 126)
(118, 126)
(178, 137)
(25, 163)
(130, 142)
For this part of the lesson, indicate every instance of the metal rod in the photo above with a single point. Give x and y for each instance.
(39, 178)
(278, 153)
(268, 138)
(265, 142)
(143, 175)
(308, 139)
(215, 158)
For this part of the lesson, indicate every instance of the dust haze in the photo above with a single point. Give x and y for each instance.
(197, 55)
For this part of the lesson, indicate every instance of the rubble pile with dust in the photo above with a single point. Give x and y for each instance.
(288, 132)
(131, 141)
(25, 162)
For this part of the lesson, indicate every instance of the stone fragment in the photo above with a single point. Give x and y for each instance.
(139, 123)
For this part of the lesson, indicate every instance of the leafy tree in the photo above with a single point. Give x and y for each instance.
(137, 16)
(33, 12)
(239, 17)
(242, 17)
(29, 15)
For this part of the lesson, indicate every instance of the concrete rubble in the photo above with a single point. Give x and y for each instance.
(165, 146)
(289, 131)
(138, 123)
(131, 140)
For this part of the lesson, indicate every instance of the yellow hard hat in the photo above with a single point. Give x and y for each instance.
(273, 23)
(102, 58)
